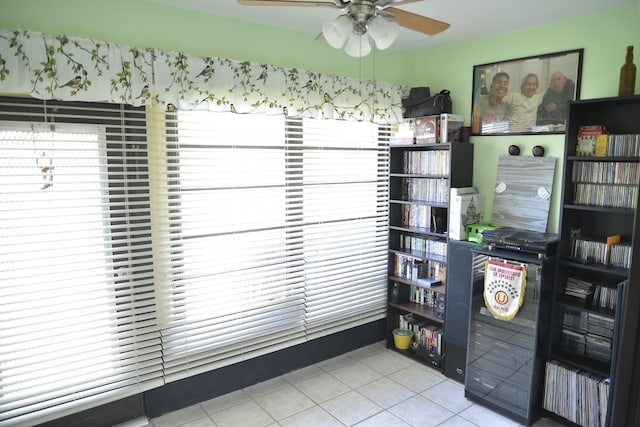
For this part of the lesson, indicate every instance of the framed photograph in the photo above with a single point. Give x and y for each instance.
(525, 95)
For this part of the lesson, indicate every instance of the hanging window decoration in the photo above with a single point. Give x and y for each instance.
(44, 161)
(43, 151)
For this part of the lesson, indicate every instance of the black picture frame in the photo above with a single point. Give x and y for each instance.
(504, 105)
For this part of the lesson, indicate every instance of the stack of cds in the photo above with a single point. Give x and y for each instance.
(579, 289)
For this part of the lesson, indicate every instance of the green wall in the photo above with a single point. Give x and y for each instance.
(137, 23)
(603, 37)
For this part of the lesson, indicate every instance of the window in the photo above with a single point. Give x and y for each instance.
(236, 285)
(126, 264)
(278, 235)
(76, 328)
(345, 224)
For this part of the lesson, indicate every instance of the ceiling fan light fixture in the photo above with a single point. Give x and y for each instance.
(358, 45)
(383, 32)
(337, 32)
(380, 19)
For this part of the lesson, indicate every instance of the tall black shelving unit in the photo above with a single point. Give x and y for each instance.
(415, 169)
(595, 340)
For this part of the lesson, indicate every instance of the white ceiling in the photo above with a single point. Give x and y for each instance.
(469, 19)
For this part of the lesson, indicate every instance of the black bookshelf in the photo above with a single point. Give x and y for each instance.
(588, 216)
(420, 178)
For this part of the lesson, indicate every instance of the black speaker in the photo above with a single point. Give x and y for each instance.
(458, 296)
(440, 306)
(538, 151)
(399, 293)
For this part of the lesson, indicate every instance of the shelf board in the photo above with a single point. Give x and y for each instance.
(592, 208)
(420, 255)
(418, 175)
(601, 268)
(423, 145)
(604, 159)
(582, 362)
(417, 309)
(576, 303)
(417, 230)
(433, 204)
(439, 288)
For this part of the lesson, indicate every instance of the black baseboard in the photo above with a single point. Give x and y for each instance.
(105, 415)
(192, 390)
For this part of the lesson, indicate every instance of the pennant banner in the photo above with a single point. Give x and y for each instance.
(504, 286)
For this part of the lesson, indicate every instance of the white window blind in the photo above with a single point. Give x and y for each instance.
(346, 170)
(235, 288)
(126, 264)
(278, 235)
(77, 324)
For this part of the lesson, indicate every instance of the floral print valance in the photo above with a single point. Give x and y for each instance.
(68, 68)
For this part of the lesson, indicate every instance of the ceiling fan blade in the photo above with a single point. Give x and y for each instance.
(385, 3)
(285, 3)
(415, 22)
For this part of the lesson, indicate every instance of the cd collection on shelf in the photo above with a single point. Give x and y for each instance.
(435, 190)
(423, 246)
(607, 184)
(620, 255)
(424, 296)
(424, 273)
(417, 216)
(578, 396)
(605, 251)
(624, 145)
(575, 319)
(581, 290)
(573, 342)
(605, 297)
(623, 173)
(430, 162)
(598, 348)
(600, 324)
(613, 196)
(587, 334)
(597, 295)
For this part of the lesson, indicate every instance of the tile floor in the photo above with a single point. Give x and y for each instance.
(368, 387)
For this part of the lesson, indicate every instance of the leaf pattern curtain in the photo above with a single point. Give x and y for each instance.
(68, 68)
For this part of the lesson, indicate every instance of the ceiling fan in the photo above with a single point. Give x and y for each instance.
(361, 19)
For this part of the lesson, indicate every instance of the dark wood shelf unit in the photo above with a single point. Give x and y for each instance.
(620, 116)
(457, 172)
